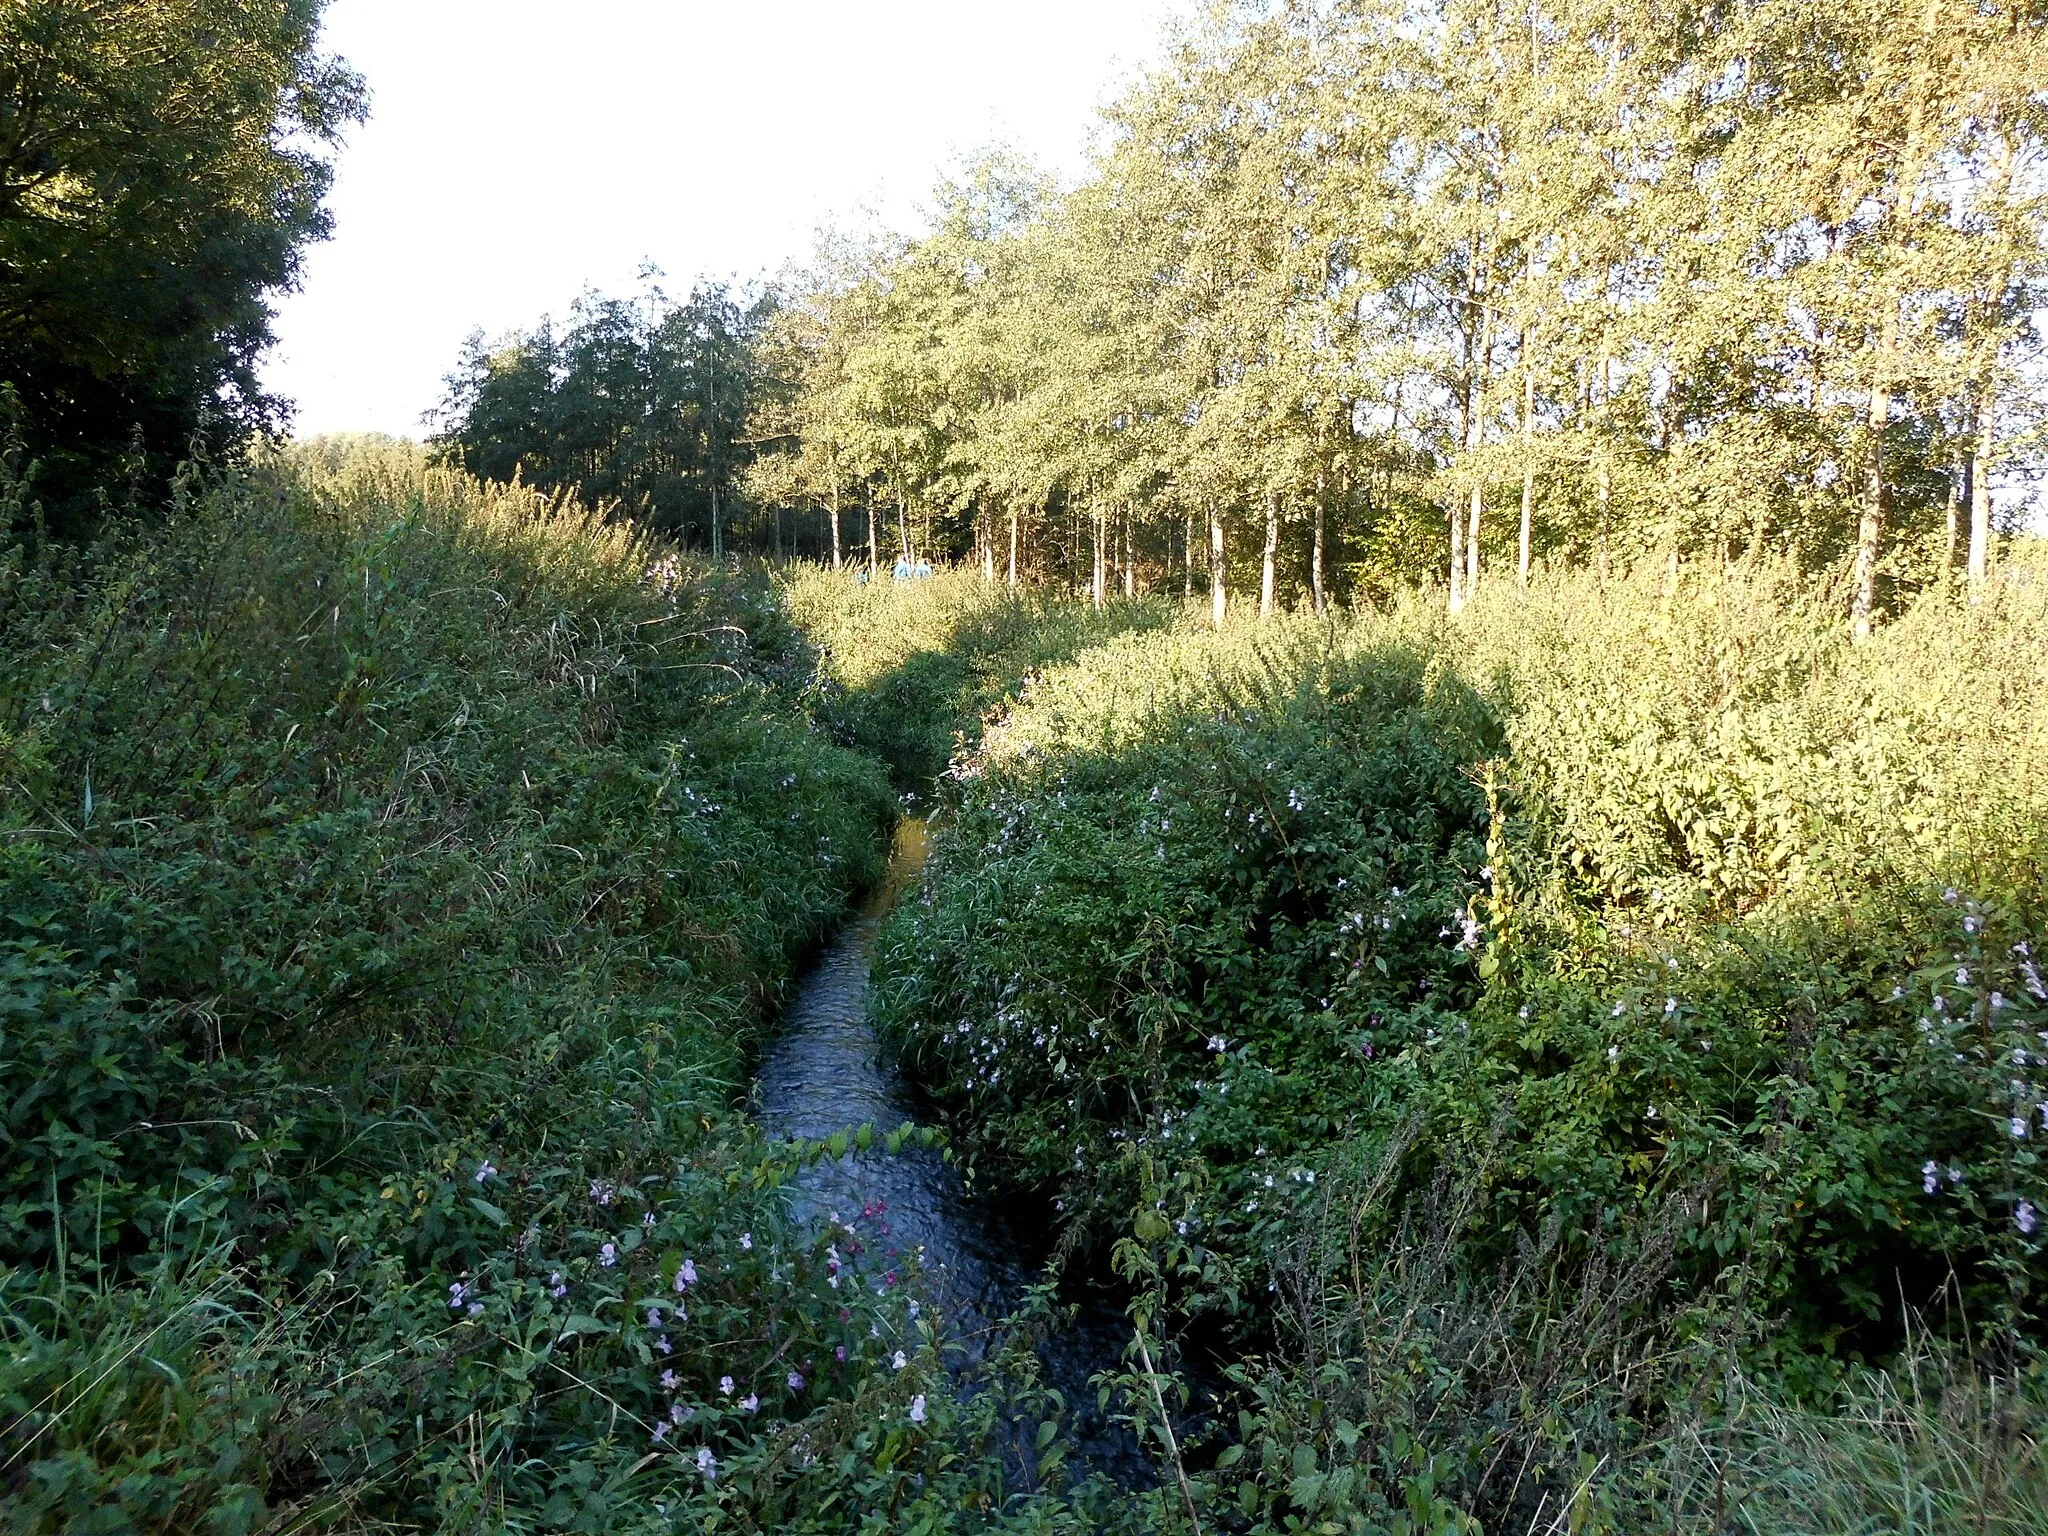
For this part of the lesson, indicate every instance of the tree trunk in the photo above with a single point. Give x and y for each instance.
(1870, 526)
(1980, 498)
(1457, 516)
(1095, 586)
(903, 528)
(1528, 475)
(986, 523)
(1217, 578)
(1952, 507)
(1478, 440)
(1315, 561)
(874, 539)
(1013, 548)
(1266, 568)
(835, 525)
(1130, 555)
(1187, 556)
(717, 533)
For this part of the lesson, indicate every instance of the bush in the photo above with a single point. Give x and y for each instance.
(1663, 963)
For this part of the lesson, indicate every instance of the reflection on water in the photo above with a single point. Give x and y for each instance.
(825, 1072)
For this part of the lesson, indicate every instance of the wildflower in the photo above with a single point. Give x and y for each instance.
(1618, 1008)
(556, 1288)
(839, 1354)
(796, 1381)
(725, 1386)
(898, 1361)
(660, 1431)
(670, 1381)
(647, 1220)
(654, 1317)
(681, 1413)
(2019, 1127)
(707, 1463)
(608, 1255)
(1997, 1001)
(1950, 895)
(1218, 1043)
(2024, 1217)
(484, 1170)
(917, 1409)
(688, 1272)
(750, 1402)
(661, 1346)
(1671, 1005)
(458, 1293)
(1962, 976)
(1614, 1053)
(746, 1242)
(1930, 1176)
(476, 1309)
(1972, 923)
(600, 1192)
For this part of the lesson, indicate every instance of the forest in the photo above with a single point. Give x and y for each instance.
(1478, 717)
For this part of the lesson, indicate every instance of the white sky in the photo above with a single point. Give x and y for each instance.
(520, 150)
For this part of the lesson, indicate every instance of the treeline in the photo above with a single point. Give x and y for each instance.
(640, 402)
(1370, 291)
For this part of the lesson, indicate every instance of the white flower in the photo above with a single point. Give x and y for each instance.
(1671, 1005)
(2024, 1216)
(898, 1361)
(917, 1409)
(750, 1402)
(1930, 1176)
(725, 1386)
(608, 1255)
(746, 1242)
(707, 1463)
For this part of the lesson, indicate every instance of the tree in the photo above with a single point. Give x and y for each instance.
(162, 167)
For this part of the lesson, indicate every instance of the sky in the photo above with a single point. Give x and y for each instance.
(519, 151)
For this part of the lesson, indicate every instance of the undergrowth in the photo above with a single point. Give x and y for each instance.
(395, 875)
(1535, 1067)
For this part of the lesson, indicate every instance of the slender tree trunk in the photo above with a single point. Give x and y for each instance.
(1187, 556)
(987, 524)
(1958, 498)
(1870, 526)
(1478, 440)
(874, 539)
(1130, 554)
(1013, 547)
(717, 532)
(1457, 516)
(1218, 579)
(1603, 486)
(903, 527)
(1095, 587)
(835, 524)
(1528, 475)
(1272, 554)
(1315, 558)
(1980, 497)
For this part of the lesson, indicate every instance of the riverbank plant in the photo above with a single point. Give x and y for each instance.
(1501, 1047)
(395, 875)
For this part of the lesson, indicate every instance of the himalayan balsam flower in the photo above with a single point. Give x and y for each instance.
(796, 1381)
(750, 1402)
(746, 1242)
(1930, 1176)
(2025, 1217)
(556, 1288)
(686, 1275)
(1671, 1005)
(458, 1293)
(917, 1409)
(898, 1362)
(670, 1381)
(661, 1346)
(476, 1309)
(484, 1170)
(608, 1255)
(725, 1386)
(707, 1463)
(1217, 1043)
(654, 1317)
(839, 1353)
(660, 1431)
(2019, 1127)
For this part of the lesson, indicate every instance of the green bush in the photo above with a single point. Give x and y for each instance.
(395, 873)
(1484, 1033)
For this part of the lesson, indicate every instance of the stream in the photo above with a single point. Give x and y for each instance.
(825, 1071)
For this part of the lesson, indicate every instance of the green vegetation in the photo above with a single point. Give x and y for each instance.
(394, 873)
(1532, 1056)
(161, 167)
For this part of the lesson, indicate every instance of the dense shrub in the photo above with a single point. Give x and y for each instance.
(1504, 1036)
(394, 872)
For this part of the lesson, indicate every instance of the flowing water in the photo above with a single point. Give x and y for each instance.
(825, 1071)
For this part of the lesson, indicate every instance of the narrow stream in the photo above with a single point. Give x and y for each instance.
(825, 1072)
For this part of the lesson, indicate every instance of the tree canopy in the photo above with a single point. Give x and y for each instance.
(162, 165)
